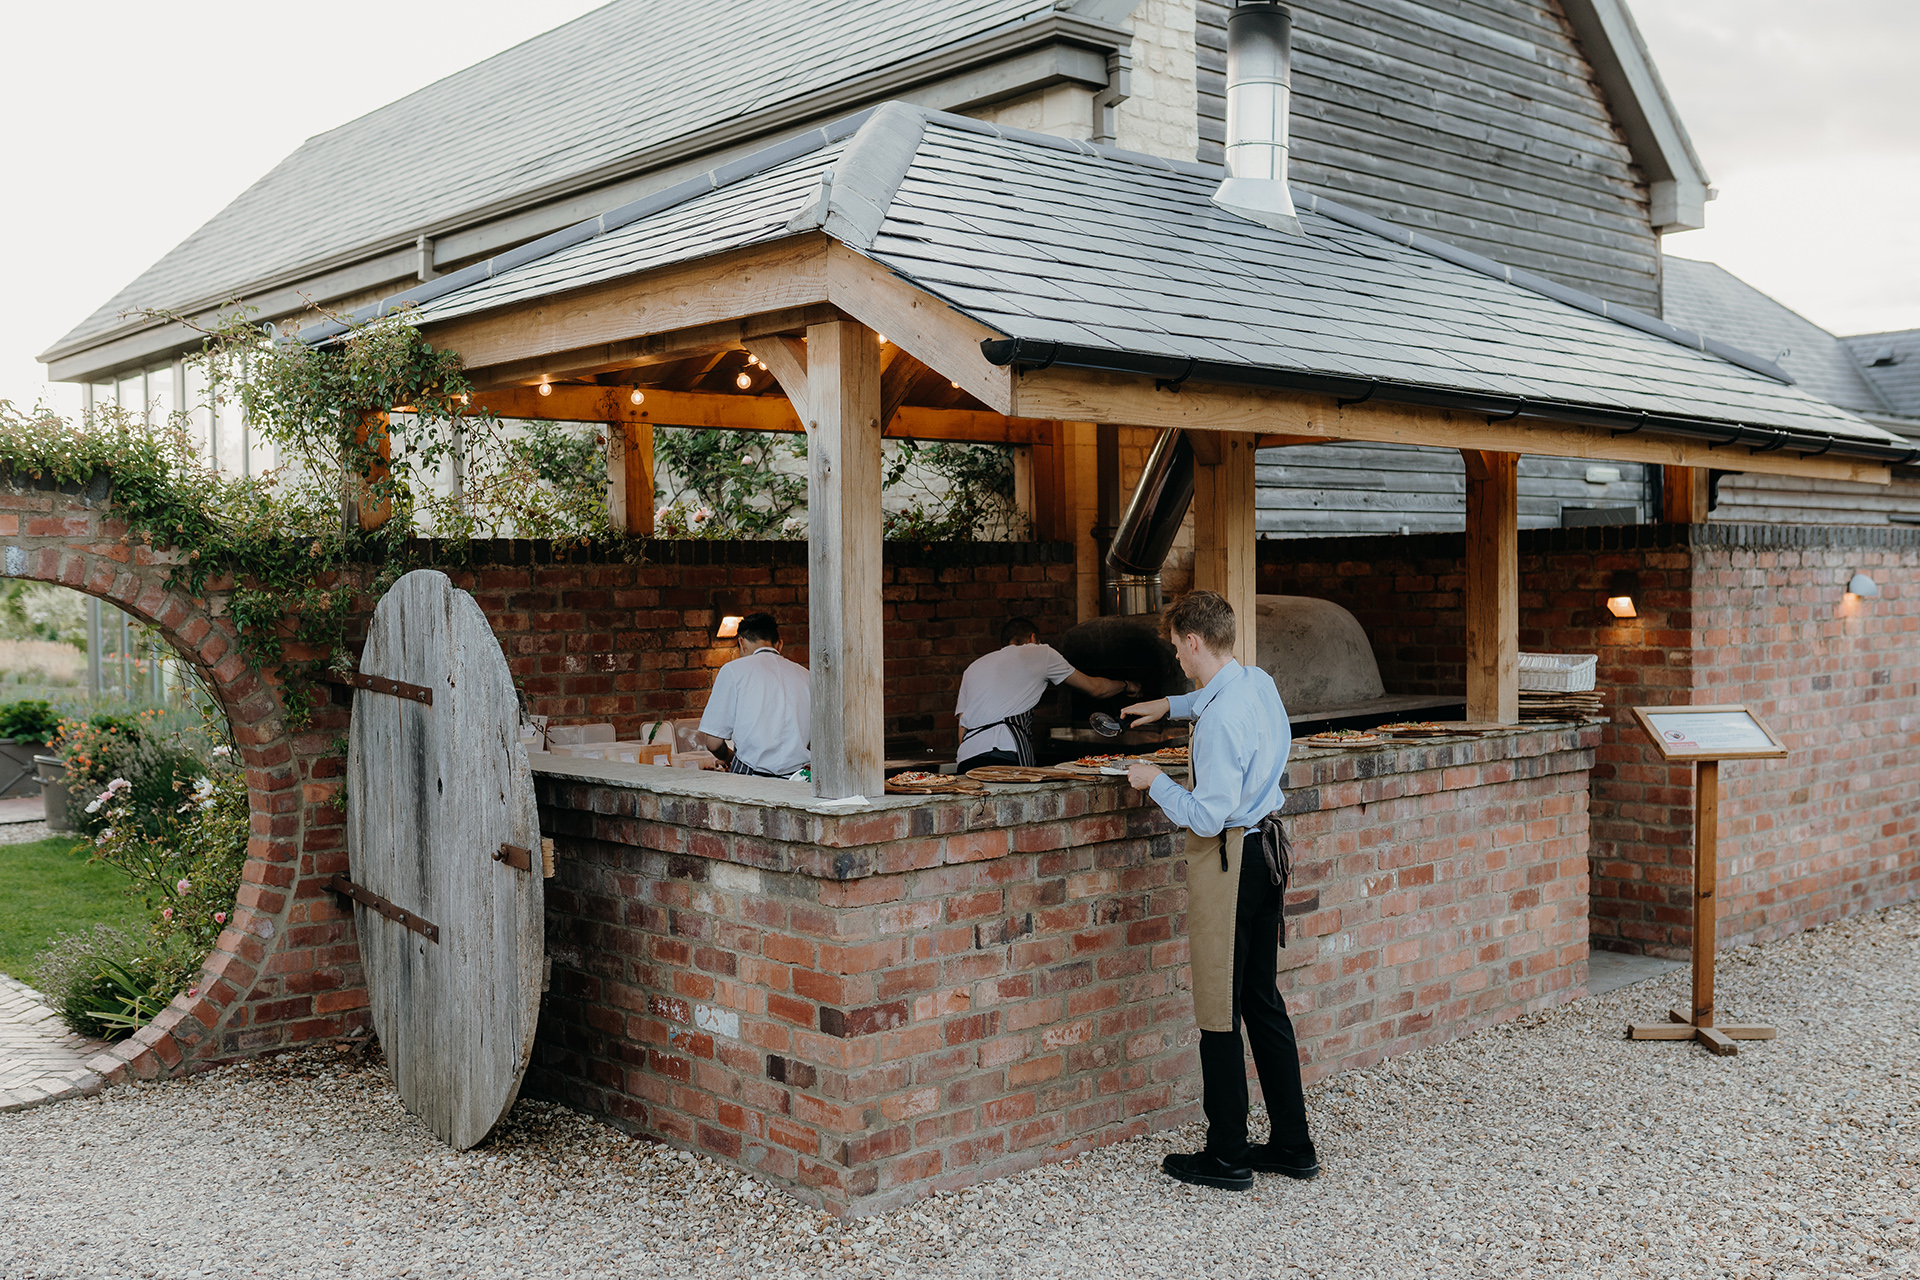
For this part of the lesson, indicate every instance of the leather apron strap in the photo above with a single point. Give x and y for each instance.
(1213, 902)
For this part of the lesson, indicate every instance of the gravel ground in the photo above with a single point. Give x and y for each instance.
(23, 832)
(1546, 1147)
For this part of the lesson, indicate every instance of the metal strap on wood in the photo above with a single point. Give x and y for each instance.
(339, 883)
(514, 856)
(380, 684)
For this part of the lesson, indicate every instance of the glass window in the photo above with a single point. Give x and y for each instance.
(200, 412)
(160, 397)
(132, 396)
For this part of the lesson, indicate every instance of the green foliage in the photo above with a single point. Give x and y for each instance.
(50, 887)
(41, 611)
(104, 982)
(729, 484)
(953, 492)
(30, 720)
(150, 764)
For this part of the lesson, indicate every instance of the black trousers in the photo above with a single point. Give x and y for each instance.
(1258, 1007)
(990, 757)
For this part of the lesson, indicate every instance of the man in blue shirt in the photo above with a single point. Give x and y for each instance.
(1236, 890)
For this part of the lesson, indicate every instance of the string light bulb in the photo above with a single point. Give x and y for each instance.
(883, 338)
(744, 381)
(546, 388)
(637, 396)
(954, 385)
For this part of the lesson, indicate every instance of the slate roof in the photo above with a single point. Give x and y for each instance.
(1051, 240)
(1897, 383)
(573, 102)
(1710, 299)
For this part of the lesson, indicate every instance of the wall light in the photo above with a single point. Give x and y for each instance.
(1861, 585)
(728, 610)
(1620, 593)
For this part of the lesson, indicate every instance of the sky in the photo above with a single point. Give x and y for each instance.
(127, 125)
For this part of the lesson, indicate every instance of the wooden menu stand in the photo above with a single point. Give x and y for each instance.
(1705, 736)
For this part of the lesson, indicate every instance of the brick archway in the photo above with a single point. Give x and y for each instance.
(286, 970)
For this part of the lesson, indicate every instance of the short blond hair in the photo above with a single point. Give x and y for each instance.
(1205, 614)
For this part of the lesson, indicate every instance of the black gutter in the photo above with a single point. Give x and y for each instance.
(1023, 353)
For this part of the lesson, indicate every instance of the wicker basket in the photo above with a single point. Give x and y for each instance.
(1557, 672)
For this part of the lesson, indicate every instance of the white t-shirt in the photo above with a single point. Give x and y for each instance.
(1007, 682)
(762, 702)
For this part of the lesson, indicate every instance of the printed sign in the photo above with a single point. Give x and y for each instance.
(1708, 733)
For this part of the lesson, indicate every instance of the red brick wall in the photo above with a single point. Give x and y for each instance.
(867, 1007)
(286, 970)
(592, 640)
(1727, 613)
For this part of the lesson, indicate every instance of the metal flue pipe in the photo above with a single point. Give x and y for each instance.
(1148, 528)
(1259, 62)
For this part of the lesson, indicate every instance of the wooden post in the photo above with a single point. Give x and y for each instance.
(1080, 505)
(630, 478)
(1706, 878)
(1223, 532)
(843, 558)
(1493, 586)
(1683, 495)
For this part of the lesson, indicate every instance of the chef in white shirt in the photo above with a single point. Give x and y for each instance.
(761, 701)
(999, 692)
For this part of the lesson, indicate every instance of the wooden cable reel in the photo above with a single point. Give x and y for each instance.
(443, 842)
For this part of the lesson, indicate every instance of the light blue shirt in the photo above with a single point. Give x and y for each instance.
(1241, 740)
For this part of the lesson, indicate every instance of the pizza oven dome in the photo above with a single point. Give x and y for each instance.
(1316, 652)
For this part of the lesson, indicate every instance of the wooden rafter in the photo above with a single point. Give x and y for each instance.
(1072, 393)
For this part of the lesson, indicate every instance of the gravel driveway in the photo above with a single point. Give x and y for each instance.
(1548, 1147)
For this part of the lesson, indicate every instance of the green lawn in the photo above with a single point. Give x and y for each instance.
(48, 888)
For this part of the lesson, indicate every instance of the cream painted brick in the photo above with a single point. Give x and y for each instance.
(1063, 110)
(1162, 117)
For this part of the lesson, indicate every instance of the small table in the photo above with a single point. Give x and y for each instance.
(1705, 736)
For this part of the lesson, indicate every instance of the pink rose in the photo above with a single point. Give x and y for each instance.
(192, 992)
(183, 888)
(219, 917)
(166, 913)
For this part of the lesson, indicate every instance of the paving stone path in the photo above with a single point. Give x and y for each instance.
(40, 1060)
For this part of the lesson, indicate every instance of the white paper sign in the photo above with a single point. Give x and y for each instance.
(1690, 732)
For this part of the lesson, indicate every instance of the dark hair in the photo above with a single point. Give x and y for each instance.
(1018, 629)
(1205, 614)
(761, 627)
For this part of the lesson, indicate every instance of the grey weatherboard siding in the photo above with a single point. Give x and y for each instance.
(1475, 121)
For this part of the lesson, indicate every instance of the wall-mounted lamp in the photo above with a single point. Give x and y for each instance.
(1620, 594)
(728, 609)
(1861, 585)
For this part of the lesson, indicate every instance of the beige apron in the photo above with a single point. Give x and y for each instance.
(1213, 899)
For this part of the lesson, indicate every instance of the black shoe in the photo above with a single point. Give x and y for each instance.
(1205, 1169)
(1294, 1162)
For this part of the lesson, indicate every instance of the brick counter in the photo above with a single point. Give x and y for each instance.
(937, 991)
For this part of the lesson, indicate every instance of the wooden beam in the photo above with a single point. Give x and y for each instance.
(786, 358)
(1493, 587)
(654, 349)
(1078, 461)
(565, 403)
(1102, 397)
(1223, 533)
(844, 473)
(1683, 495)
(925, 327)
(720, 290)
(630, 478)
(896, 380)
